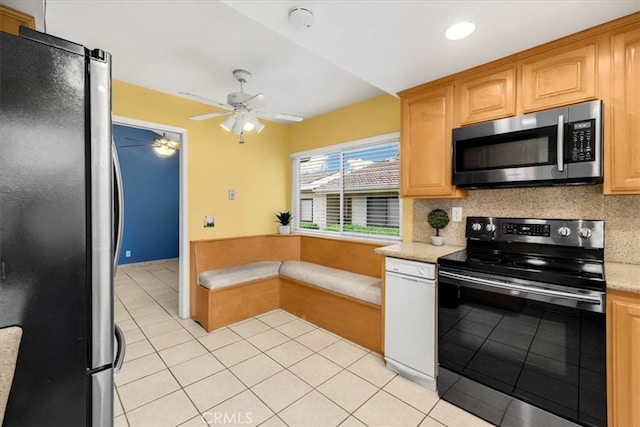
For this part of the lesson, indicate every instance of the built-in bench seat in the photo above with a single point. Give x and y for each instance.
(229, 276)
(332, 283)
(355, 285)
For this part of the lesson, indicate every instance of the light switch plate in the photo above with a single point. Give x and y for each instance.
(232, 194)
(456, 214)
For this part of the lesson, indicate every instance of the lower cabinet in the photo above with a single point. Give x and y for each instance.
(623, 358)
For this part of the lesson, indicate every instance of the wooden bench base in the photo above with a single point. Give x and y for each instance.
(222, 307)
(353, 319)
(356, 320)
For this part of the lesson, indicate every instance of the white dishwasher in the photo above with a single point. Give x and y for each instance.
(410, 320)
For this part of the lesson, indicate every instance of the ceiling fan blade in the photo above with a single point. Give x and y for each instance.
(278, 116)
(208, 101)
(255, 99)
(136, 139)
(211, 115)
(138, 145)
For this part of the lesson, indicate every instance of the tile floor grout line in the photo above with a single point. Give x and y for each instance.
(157, 352)
(144, 298)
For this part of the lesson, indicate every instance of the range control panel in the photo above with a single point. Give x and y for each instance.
(543, 230)
(565, 232)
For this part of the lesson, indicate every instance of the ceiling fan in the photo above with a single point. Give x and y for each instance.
(243, 109)
(161, 144)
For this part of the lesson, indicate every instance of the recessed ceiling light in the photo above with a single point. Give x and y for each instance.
(460, 30)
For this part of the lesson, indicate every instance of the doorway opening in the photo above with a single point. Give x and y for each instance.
(141, 130)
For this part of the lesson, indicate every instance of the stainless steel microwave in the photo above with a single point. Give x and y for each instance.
(552, 147)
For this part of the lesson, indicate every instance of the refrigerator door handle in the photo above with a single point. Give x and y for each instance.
(102, 398)
(101, 215)
(117, 174)
(121, 344)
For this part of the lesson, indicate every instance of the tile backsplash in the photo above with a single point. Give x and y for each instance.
(621, 214)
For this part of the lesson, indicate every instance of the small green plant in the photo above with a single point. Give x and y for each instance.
(284, 218)
(438, 219)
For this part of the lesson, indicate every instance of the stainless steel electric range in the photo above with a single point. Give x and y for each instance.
(521, 323)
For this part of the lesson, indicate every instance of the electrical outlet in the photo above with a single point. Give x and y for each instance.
(232, 194)
(209, 221)
(127, 254)
(456, 214)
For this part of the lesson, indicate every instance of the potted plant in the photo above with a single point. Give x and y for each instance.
(284, 219)
(437, 219)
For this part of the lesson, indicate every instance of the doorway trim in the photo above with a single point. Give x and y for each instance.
(183, 250)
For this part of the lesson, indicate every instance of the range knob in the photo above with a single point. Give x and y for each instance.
(585, 233)
(476, 226)
(564, 231)
(490, 228)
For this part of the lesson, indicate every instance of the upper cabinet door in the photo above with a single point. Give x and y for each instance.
(425, 144)
(11, 20)
(557, 79)
(623, 166)
(487, 97)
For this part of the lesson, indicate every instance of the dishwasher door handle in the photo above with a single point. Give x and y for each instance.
(414, 279)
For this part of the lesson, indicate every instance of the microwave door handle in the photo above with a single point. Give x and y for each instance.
(560, 143)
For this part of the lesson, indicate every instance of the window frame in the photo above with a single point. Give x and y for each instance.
(374, 141)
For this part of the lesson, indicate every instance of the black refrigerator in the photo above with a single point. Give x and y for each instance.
(60, 212)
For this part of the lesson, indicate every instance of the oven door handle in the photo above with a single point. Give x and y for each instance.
(519, 290)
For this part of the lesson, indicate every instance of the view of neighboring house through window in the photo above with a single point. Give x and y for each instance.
(349, 189)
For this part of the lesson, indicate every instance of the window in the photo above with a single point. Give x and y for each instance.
(349, 189)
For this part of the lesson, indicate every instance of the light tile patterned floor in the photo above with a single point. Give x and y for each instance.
(271, 370)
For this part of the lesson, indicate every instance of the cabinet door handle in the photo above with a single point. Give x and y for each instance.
(2, 272)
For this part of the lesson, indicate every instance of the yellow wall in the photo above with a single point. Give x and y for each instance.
(376, 116)
(257, 170)
(373, 117)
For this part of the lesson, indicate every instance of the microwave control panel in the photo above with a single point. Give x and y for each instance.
(580, 142)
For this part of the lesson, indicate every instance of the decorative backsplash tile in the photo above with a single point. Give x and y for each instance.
(621, 214)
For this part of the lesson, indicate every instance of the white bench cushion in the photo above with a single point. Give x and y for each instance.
(355, 285)
(228, 276)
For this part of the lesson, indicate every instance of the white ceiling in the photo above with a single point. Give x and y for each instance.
(353, 51)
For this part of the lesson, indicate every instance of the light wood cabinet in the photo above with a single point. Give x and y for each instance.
(599, 63)
(623, 358)
(557, 78)
(623, 149)
(487, 97)
(11, 20)
(425, 143)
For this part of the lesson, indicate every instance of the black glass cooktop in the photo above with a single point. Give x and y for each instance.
(575, 272)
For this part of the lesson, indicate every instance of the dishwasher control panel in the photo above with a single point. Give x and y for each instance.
(411, 268)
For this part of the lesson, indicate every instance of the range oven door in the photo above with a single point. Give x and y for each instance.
(512, 356)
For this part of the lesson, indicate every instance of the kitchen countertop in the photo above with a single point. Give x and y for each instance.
(417, 251)
(619, 276)
(622, 277)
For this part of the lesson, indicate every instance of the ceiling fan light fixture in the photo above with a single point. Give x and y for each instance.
(460, 30)
(164, 151)
(228, 123)
(237, 126)
(248, 126)
(258, 126)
